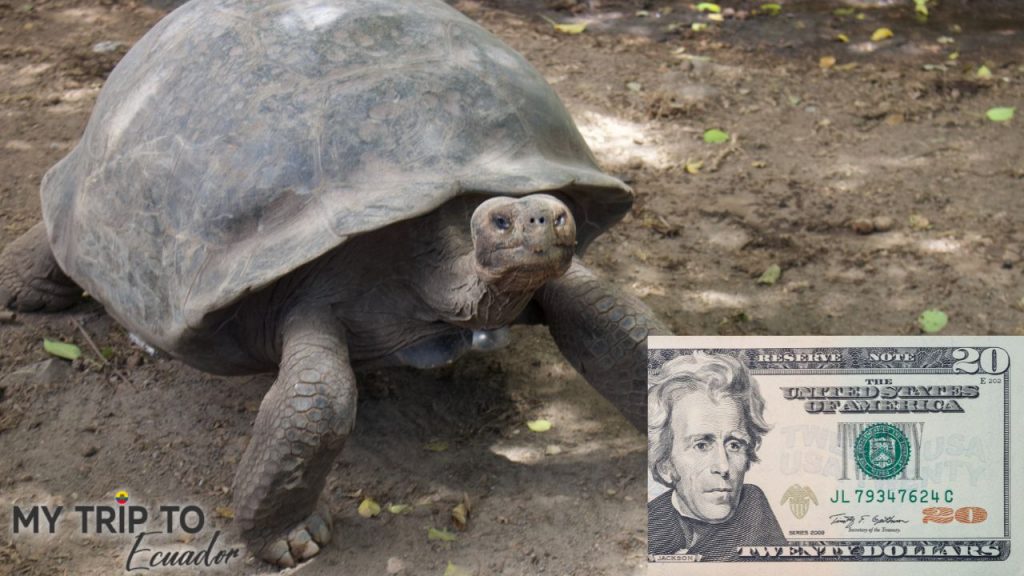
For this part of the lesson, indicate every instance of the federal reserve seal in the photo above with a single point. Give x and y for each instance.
(882, 451)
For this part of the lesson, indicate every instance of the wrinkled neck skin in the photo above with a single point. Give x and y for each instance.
(464, 296)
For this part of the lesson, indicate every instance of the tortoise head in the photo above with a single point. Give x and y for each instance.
(521, 243)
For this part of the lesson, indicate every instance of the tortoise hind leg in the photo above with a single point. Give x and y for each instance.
(30, 279)
(302, 424)
(603, 334)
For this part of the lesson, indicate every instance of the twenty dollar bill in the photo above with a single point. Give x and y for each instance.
(880, 455)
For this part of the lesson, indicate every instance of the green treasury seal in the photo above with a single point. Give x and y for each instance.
(882, 451)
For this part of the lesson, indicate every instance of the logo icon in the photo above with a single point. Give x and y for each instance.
(799, 498)
(121, 497)
(882, 451)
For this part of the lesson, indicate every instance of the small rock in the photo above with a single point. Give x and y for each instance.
(862, 226)
(17, 146)
(553, 450)
(636, 163)
(883, 223)
(395, 565)
(1010, 258)
(799, 286)
(106, 46)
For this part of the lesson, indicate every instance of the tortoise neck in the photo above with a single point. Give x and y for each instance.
(462, 296)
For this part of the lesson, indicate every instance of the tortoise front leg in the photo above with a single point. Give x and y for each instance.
(30, 279)
(299, 431)
(603, 334)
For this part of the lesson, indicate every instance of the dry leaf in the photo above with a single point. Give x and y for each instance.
(881, 34)
(368, 508)
(460, 516)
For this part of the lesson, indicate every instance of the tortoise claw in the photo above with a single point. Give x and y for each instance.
(299, 543)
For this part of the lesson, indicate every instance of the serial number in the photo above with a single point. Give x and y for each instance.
(893, 496)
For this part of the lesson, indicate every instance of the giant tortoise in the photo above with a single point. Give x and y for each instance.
(312, 186)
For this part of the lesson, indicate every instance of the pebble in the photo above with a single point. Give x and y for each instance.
(395, 565)
(872, 225)
(106, 46)
(883, 223)
(862, 226)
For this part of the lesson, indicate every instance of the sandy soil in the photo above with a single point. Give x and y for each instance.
(876, 184)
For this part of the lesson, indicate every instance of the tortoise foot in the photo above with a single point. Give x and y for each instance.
(300, 542)
(31, 280)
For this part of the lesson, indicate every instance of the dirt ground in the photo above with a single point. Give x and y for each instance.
(866, 170)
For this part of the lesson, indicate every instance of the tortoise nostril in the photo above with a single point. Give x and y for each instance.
(541, 219)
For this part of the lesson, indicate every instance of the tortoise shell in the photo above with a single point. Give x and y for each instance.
(239, 140)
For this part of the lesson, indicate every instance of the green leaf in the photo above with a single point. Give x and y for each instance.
(931, 321)
(538, 425)
(369, 508)
(843, 11)
(921, 7)
(699, 26)
(716, 136)
(453, 570)
(709, 7)
(771, 9)
(107, 352)
(771, 275)
(1000, 114)
(61, 349)
(984, 72)
(398, 508)
(442, 535)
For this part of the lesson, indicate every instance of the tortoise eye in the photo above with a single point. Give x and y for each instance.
(501, 222)
(560, 220)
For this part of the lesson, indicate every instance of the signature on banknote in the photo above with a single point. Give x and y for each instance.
(851, 520)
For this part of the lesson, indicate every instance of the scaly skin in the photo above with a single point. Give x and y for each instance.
(300, 429)
(603, 334)
(30, 279)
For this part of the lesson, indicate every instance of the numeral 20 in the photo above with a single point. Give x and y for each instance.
(991, 360)
(965, 515)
